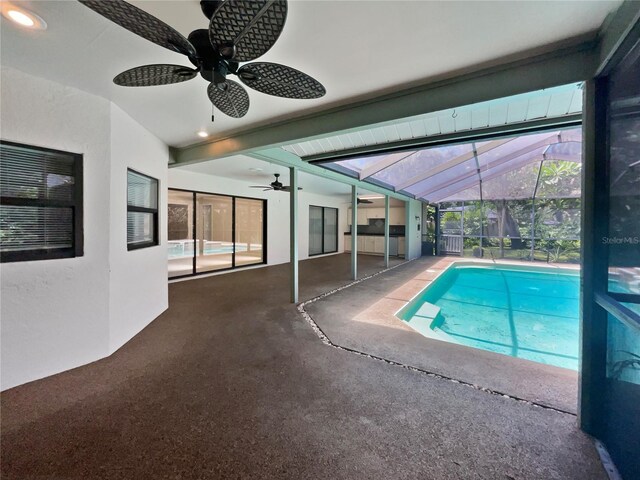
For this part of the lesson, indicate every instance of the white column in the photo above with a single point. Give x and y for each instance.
(386, 231)
(354, 232)
(293, 232)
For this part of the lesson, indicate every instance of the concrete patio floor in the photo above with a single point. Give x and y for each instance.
(362, 318)
(231, 382)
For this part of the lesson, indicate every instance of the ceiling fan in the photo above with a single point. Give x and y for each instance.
(239, 31)
(276, 185)
(363, 200)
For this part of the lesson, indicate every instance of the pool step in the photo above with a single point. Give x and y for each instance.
(424, 319)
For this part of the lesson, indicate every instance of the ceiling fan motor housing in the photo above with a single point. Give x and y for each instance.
(209, 6)
(213, 66)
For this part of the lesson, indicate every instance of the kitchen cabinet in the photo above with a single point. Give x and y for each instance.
(396, 215)
(363, 218)
(374, 244)
(369, 244)
(378, 244)
(375, 212)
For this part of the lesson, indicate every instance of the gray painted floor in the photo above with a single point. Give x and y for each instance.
(231, 382)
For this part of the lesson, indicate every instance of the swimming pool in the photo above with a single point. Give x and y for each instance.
(521, 311)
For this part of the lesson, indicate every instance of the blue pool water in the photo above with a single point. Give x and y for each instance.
(525, 312)
(177, 251)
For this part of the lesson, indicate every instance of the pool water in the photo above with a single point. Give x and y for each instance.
(524, 312)
(177, 251)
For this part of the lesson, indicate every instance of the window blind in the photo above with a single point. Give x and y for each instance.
(40, 203)
(142, 210)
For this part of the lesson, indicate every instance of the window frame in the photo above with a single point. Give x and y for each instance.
(76, 205)
(324, 252)
(154, 211)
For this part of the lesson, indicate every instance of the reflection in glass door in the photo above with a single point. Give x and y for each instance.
(249, 230)
(214, 232)
(180, 233)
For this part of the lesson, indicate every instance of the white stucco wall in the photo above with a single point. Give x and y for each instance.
(138, 280)
(59, 314)
(413, 236)
(277, 210)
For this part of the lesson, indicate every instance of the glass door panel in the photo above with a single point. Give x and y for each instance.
(214, 232)
(180, 233)
(624, 177)
(315, 230)
(249, 231)
(619, 409)
(330, 230)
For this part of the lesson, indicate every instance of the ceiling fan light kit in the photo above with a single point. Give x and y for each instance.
(239, 31)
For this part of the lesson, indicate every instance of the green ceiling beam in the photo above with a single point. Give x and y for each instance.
(572, 61)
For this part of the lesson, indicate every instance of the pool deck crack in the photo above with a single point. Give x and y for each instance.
(327, 341)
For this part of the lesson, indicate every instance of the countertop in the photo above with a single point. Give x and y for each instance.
(377, 234)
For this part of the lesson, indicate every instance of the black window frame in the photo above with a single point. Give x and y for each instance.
(265, 257)
(154, 211)
(324, 251)
(76, 205)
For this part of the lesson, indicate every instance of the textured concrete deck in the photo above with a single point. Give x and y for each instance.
(231, 382)
(362, 318)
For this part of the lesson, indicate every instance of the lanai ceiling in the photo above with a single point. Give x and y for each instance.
(357, 49)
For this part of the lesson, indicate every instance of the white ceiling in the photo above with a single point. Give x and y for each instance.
(259, 172)
(357, 49)
(549, 103)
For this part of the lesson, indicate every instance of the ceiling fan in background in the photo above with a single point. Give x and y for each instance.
(239, 31)
(363, 200)
(276, 185)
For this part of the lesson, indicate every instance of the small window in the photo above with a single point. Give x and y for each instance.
(142, 210)
(323, 230)
(40, 203)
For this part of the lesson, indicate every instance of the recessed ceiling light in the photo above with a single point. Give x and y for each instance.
(23, 17)
(203, 134)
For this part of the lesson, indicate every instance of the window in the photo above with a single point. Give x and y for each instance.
(209, 232)
(142, 210)
(40, 203)
(323, 230)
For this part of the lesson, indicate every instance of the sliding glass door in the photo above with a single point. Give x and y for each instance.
(323, 230)
(209, 232)
(180, 223)
(610, 370)
(214, 232)
(249, 229)
(621, 299)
